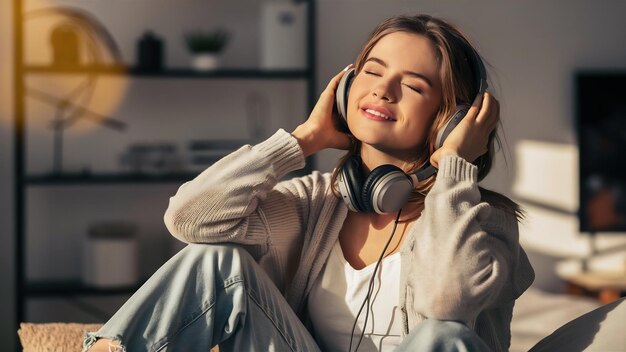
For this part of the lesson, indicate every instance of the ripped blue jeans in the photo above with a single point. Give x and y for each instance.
(209, 295)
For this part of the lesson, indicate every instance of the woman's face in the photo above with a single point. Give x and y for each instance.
(394, 98)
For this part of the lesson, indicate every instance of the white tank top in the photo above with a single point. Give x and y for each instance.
(337, 295)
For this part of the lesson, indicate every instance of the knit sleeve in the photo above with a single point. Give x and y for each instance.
(239, 197)
(465, 252)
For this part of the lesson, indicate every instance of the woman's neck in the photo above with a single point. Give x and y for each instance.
(373, 157)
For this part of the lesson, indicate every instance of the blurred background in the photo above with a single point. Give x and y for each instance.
(119, 102)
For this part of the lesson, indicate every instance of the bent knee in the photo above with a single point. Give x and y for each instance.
(215, 249)
(228, 259)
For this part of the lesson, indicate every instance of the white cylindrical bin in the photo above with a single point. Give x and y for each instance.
(110, 257)
(283, 35)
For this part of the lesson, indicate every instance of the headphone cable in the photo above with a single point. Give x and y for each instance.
(370, 288)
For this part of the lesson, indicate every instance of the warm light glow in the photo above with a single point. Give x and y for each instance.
(6, 72)
(104, 100)
(547, 173)
(43, 89)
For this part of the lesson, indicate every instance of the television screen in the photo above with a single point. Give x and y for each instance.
(601, 113)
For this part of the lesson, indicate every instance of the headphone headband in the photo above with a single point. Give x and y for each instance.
(476, 63)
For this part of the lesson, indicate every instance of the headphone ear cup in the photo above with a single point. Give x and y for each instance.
(444, 132)
(380, 189)
(352, 182)
(341, 96)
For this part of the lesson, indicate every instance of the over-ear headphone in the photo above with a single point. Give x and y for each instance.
(387, 188)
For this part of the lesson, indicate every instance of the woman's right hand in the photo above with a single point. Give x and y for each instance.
(320, 131)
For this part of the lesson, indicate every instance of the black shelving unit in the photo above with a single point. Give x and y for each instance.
(93, 179)
(25, 289)
(172, 72)
(119, 178)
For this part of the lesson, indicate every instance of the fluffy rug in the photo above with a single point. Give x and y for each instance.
(54, 337)
(57, 337)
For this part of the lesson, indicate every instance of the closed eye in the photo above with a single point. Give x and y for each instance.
(372, 73)
(414, 89)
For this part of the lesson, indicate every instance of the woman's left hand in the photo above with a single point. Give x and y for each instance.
(470, 138)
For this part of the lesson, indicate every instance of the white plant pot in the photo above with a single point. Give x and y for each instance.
(205, 62)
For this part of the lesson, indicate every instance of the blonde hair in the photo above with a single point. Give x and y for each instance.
(457, 82)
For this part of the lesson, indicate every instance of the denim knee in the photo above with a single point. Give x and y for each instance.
(221, 262)
(228, 250)
(215, 253)
(194, 294)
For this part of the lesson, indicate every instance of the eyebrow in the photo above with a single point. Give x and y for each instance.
(410, 73)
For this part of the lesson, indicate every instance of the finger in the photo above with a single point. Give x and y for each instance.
(476, 106)
(434, 158)
(334, 82)
(494, 116)
(481, 115)
(490, 112)
(492, 123)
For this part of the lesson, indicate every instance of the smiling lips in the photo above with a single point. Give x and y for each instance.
(377, 113)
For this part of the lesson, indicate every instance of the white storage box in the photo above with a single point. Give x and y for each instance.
(283, 35)
(110, 257)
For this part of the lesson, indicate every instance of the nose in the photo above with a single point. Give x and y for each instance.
(384, 91)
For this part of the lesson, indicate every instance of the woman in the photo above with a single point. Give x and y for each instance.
(451, 274)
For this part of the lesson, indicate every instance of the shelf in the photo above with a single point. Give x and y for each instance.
(70, 287)
(79, 178)
(170, 72)
(122, 178)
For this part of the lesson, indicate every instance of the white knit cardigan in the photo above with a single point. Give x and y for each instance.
(461, 260)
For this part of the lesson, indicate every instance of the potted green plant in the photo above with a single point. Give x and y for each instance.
(205, 47)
